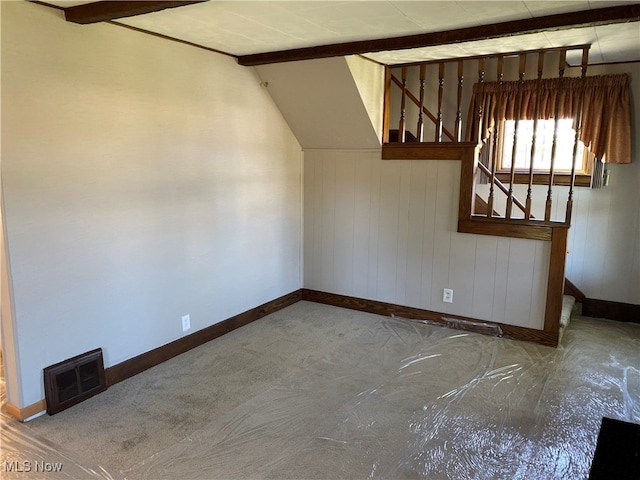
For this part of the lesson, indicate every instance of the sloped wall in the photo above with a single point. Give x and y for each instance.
(321, 102)
(369, 78)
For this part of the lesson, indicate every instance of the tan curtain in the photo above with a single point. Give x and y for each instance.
(606, 119)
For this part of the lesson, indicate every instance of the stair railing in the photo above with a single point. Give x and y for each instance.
(437, 111)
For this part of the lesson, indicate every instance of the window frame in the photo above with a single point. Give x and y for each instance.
(583, 170)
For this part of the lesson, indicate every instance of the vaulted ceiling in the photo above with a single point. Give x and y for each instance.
(251, 29)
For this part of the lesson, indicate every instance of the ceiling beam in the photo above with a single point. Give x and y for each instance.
(110, 10)
(563, 21)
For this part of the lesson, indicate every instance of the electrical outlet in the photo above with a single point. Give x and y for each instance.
(186, 322)
(447, 296)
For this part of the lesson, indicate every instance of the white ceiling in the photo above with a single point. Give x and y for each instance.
(247, 27)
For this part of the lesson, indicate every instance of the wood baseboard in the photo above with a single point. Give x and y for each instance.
(622, 312)
(591, 307)
(27, 412)
(381, 308)
(571, 289)
(144, 361)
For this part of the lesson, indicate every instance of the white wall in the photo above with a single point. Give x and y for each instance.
(322, 102)
(386, 230)
(7, 333)
(369, 79)
(142, 180)
(604, 240)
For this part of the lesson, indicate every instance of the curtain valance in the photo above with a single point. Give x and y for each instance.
(606, 114)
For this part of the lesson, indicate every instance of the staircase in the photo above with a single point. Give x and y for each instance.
(426, 94)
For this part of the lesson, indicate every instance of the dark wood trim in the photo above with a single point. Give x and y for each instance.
(564, 179)
(555, 280)
(386, 114)
(502, 227)
(147, 32)
(166, 37)
(142, 362)
(480, 207)
(532, 222)
(468, 167)
(109, 10)
(411, 313)
(427, 151)
(571, 289)
(45, 4)
(622, 312)
(600, 16)
(425, 110)
(499, 226)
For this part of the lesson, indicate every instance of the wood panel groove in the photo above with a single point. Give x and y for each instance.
(414, 248)
(411, 313)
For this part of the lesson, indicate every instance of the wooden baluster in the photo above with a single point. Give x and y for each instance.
(535, 135)
(578, 123)
(512, 173)
(423, 70)
(561, 67)
(386, 115)
(440, 93)
(494, 148)
(458, 130)
(479, 111)
(403, 107)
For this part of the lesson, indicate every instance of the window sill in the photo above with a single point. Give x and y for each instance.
(581, 180)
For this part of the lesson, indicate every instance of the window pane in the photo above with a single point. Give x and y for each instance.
(544, 145)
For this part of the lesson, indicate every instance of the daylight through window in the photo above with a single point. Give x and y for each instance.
(544, 144)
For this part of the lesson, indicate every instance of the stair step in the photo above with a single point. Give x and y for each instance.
(568, 303)
(567, 308)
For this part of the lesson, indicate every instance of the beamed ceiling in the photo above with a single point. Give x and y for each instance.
(389, 32)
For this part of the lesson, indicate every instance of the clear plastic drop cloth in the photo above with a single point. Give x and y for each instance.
(25, 454)
(408, 399)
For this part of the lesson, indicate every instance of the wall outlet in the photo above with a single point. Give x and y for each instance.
(447, 296)
(186, 322)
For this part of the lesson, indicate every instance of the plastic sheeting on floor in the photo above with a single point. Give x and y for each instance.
(412, 400)
(390, 398)
(24, 454)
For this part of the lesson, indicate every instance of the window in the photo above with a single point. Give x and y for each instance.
(544, 146)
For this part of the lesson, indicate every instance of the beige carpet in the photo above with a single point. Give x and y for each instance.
(315, 391)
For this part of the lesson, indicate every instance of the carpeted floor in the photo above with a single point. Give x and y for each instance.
(314, 391)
